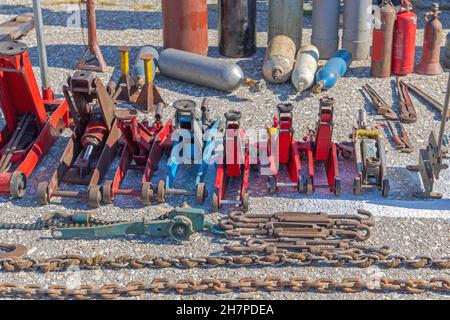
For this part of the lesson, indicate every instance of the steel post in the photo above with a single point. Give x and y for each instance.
(47, 92)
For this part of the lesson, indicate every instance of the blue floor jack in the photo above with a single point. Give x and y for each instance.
(193, 141)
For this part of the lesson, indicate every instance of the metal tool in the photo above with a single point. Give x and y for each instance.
(403, 142)
(179, 224)
(370, 158)
(427, 98)
(16, 27)
(145, 146)
(407, 110)
(92, 146)
(193, 141)
(431, 159)
(379, 103)
(32, 124)
(12, 251)
(234, 164)
(319, 148)
(283, 150)
(298, 225)
(92, 58)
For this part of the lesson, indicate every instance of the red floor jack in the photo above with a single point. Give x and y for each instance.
(32, 124)
(236, 164)
(287, 153)
(145, 145)
(93, 145)
(319, 147)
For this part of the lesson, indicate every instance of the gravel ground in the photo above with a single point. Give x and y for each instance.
(407, 225)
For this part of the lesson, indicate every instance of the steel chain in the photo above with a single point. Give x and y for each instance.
(223, 286)
(65, 262)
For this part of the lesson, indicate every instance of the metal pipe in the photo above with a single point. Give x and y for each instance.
(41, 43)
(444, 117)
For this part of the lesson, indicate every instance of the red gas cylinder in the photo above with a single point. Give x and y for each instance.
(185, 25)
(404, 43)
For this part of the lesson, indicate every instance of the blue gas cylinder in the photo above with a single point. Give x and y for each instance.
(334, 69)
(138, 71)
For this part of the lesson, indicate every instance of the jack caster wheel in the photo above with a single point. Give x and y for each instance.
(272, 184)
(357, 186)
(337, 187)
(17, 185)
(107, 192)
(215, 202)
(42, 193)
(161, 191)
(386, 188)
(147, 193)
(95, 196)
(182, 228)
(309, 186)
(201, 193)
(245, 204)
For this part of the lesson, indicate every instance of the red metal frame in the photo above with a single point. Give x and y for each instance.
(288, 153)
(144, 148)
(319, 147)
(20, 97)
(236, 145)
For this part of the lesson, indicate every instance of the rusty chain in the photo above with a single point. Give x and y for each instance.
(223, 286)
(364, 260)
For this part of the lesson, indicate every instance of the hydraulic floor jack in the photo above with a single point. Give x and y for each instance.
(32, 124)
(145, 145)
(319, 148)
(93, 144)
(235, 164)
(283, 150)
(193, 145)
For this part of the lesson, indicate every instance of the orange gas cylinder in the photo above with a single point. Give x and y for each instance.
(185, 25)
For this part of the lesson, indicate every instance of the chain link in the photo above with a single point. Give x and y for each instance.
(65, 262)
(223, 286)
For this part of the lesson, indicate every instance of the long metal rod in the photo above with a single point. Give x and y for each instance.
(41, 43)
(444, 117)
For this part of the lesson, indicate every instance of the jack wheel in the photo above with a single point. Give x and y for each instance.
(272, 184)
(386, 188)
(147, 193)
(161, 191)
(201, 193)
(215, 202)
(309, 186)
(337, 187)
(95, 196)
(357, 186)
(107, 192)
(42, 193)
(245, 204)
(181, 229)
(300, 184)
(17, 185)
